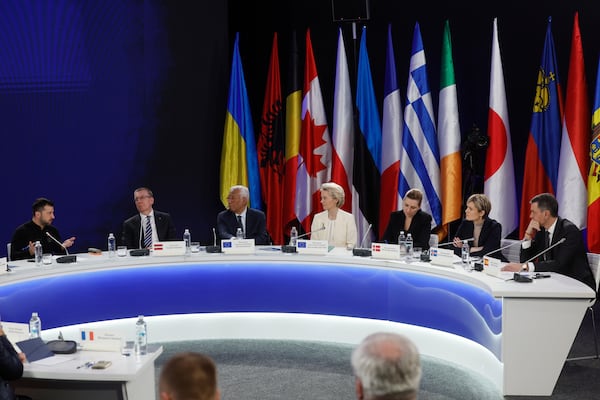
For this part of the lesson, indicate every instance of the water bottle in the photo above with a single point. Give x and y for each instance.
(293, 236)
(35, 326)
(187, 238)
(465, 254)
(239, 234)
(409, 246)
(141, 336)
(39, 252)
(112, 245)
(402, 243)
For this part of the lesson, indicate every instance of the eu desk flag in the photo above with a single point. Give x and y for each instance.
(499, 173)
(367, 151)
(571, 191)
(593, 216)
(420, 159)
(543, 146)
(239, 161)
(271, 148)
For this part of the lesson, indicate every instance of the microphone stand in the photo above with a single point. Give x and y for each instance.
(214, 248)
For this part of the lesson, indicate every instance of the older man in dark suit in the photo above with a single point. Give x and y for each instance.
(239, 215)
(545, 229)
(156, 225)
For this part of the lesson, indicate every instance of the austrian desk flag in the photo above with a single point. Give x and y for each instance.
(391, 139)
(449, 136)
(420, 159)
(499, 183)
(571, 191)
(367, 163)
(270, 148)
(239, 161)
(593, 229)
(543, 146)
(314, 160)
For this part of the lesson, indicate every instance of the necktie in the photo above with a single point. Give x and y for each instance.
(148, 233)
(546, 244)
(240, 224)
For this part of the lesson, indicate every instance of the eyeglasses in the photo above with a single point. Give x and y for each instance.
(140, 198)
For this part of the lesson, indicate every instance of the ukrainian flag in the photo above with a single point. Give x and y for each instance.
(239, 160)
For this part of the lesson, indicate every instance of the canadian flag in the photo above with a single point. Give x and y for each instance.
(314, 160)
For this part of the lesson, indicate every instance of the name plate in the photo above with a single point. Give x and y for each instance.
(385, 251)
(238, 246)
(492, 266)
(170, 248)
(3, 263)
(100, 340)
(317, 247)
(442, 257)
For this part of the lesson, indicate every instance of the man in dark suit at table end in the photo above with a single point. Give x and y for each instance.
(156, 226)
(546, 229)
(239, 215)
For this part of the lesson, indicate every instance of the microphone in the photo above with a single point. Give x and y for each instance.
(546, 250)
(64, 259)
(448, 243)
(362, 251)
(286, 248)
(214, 248)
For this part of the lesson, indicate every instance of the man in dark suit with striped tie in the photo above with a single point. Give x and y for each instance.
(149, 225)
(545, 229)
(239, 215)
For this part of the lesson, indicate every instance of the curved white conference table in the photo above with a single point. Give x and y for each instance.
(516, 334)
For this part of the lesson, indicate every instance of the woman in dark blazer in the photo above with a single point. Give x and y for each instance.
(411, 219)
(486, 232)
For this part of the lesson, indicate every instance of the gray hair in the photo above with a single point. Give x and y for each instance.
(387, 364)
(244, 192)
(336, 191)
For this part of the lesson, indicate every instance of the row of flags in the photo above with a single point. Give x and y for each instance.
(377, 158)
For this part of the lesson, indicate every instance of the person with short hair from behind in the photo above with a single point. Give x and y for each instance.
(189, 376)
(37, 229)
(334, 224)
(387, 366)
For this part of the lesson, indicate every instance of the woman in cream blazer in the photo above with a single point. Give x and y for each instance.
(334, 224)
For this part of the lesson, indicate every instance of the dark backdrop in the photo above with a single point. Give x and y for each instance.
(100, 97)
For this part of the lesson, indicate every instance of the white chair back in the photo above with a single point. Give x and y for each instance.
(594, 260)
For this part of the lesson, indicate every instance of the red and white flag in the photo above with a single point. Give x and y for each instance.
(499, 184)
(571, 188)
(314, 161)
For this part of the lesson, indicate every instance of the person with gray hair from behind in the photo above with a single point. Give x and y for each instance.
(387, 366)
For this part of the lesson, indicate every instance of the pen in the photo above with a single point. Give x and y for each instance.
(86, 365)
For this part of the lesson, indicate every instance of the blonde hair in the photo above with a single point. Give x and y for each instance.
(481, 202)
(336, 191)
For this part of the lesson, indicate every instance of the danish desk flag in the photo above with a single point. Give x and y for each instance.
(314, 160)
(543, 146)
(499, 182)
(571, 190)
